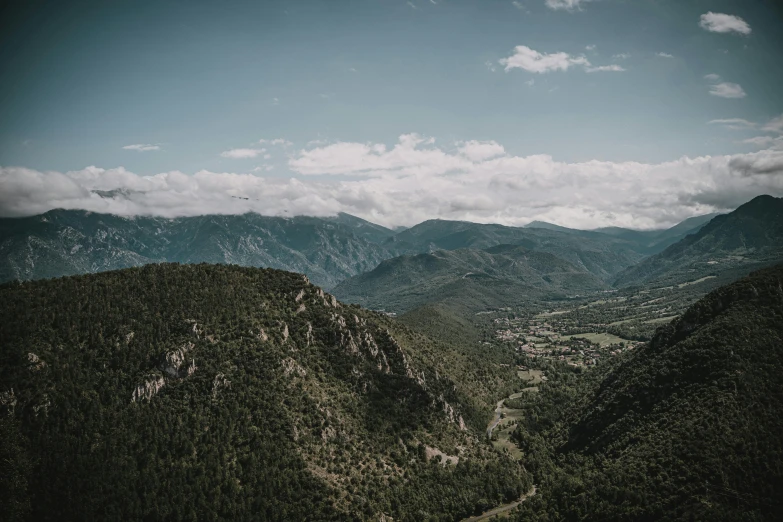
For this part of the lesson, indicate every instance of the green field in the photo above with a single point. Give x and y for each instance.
(603, 339)
(533, 376)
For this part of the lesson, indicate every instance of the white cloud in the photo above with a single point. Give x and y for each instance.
(621, 56)
(276, 141)
(664, 55)
(414, 180)
(727, 90)
(142, 147)
(533, 61)
(774, 125)
(267, 156)
(530, 82)
(490, 66)
(413, 6)
(481, 150)
(723, 23)
(712, 77)
(733, 123)
(768, 142)
(518, 5)
(568, 5)
(242, 153)
(605, 68)
(536, 62)
(590, 47)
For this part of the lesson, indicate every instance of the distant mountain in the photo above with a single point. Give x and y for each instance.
(207, 392)
(66, 242)
(602, 256)
(747, 238)
(687, 427)
(497, 276)
(645, 242)
(363, 228)
(654, 241)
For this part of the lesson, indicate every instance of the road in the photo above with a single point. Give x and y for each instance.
(501, 509)
(496, 420)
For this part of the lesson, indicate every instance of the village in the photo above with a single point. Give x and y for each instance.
(544, 337)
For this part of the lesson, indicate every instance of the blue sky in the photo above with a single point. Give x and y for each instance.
(187, 82)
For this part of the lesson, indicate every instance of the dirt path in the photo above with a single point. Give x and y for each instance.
(501, 509)
(496, 420)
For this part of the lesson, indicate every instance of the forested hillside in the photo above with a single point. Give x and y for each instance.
(601, 255)
(468, 279)
(687, 427)
(748, 238)
(218, 392)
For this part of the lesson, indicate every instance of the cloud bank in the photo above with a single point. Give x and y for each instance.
(415, 180)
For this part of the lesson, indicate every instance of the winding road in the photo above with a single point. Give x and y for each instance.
(501, 509)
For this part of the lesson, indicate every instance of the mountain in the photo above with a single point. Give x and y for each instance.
(645, 242)
(745, 239)
(687, 427)
(653, 241)
(602, 256)
(471, 279)
(363, 228)
(67, 242)
(225, 392)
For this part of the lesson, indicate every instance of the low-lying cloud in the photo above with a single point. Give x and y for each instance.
(416, 179)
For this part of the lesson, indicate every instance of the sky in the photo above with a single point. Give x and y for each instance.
(584, 113)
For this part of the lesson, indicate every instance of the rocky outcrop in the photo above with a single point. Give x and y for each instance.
(34, 362)
(174, 362)
(149, 388)
(218, 383)
(8, 401)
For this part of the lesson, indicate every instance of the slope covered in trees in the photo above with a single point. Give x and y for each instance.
(748, 238)
(220, 392)
(468, 279)
(601, 255)
(688, 427)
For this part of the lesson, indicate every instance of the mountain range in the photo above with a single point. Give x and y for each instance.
(468, 264)
(328, 250)
(66, 242)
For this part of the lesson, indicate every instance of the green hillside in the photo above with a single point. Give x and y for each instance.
(602, 255)
(687, 427)
(470, 279)
(747, 238)
(185, 392)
